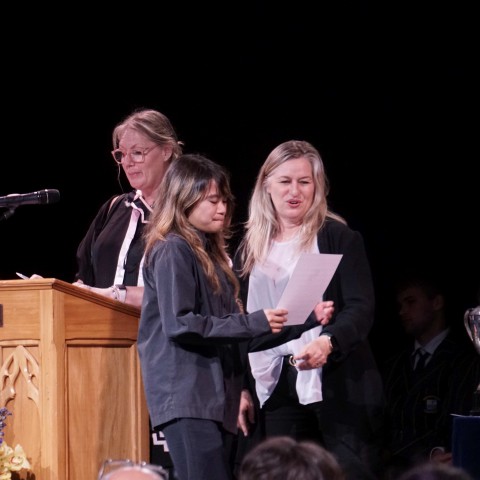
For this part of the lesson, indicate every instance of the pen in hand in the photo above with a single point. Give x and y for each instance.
(21, 275)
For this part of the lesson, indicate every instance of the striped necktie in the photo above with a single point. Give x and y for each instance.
(421, 357)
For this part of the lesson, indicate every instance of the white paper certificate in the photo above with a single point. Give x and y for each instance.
(308, 283)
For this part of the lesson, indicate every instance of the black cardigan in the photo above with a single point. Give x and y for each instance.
(353, 399)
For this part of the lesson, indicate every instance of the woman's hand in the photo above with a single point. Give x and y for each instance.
(314, 354)
(324, 311)
(246, 415)
(276, 318)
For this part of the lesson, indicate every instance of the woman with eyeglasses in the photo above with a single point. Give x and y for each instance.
(110, 255)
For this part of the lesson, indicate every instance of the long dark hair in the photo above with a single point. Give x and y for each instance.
(187, 182)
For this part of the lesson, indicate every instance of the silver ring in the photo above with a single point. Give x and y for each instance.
(292, 361)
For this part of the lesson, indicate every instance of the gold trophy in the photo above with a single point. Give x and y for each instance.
(472, 324)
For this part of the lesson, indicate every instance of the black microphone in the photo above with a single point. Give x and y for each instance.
(41, 197)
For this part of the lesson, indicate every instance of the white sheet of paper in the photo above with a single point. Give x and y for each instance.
(307, 285)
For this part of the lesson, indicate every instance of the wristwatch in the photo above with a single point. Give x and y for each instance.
(329, 336)
(119, 292)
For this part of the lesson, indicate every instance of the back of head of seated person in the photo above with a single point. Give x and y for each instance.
(435, 471)
(135, 472)
(283, 458)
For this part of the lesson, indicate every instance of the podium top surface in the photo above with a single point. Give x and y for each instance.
(68, 288)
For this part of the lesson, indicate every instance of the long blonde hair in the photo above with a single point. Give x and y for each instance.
(263, 225)
(187, 182)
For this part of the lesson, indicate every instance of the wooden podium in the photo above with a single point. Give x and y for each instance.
(70, 375)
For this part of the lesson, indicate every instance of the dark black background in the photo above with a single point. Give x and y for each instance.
(386, 93)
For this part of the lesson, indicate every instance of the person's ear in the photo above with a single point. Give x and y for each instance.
(167, 150)
(438, 302)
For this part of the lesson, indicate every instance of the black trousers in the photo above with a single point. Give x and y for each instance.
(159, 452)
(283, 414)
(199, 449)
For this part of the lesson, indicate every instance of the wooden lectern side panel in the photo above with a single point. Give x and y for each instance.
(102, 406)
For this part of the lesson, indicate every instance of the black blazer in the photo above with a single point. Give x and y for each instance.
(353, 399)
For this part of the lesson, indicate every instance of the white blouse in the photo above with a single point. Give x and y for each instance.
(266, 284)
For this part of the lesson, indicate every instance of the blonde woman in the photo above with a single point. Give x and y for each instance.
(317, 383)
(110, 255)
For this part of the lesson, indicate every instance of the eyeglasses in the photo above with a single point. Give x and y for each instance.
(137, 155)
